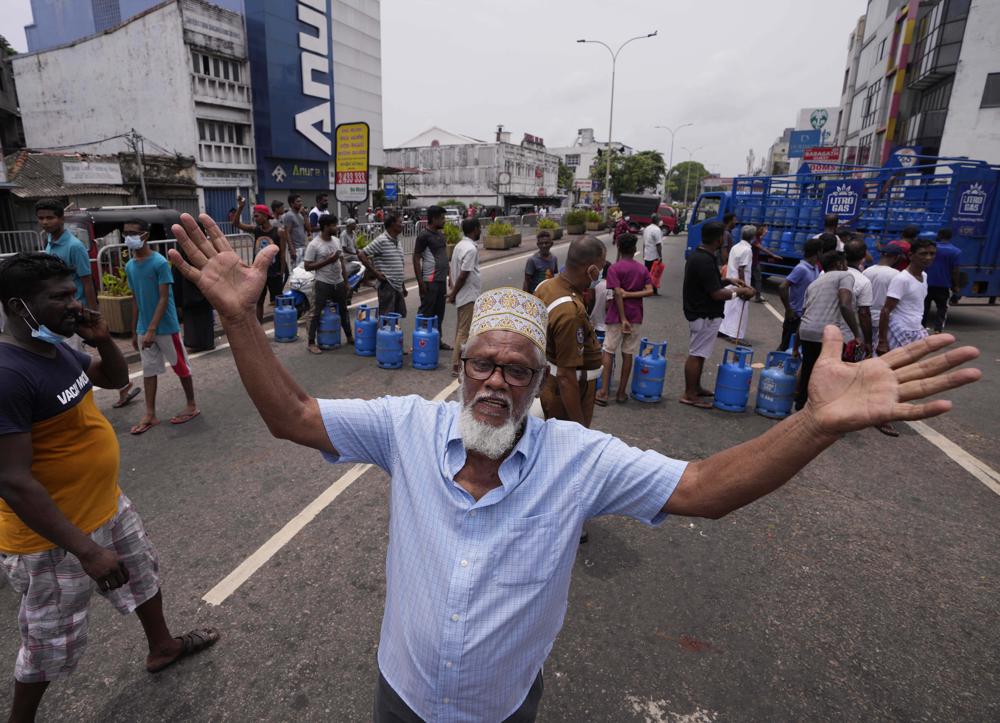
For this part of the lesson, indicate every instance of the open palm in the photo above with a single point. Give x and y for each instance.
(845, 397)
(230, 285)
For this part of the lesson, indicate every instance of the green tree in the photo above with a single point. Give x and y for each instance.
(631, 174)
(687, 174)
(566, 177)
(6, 49)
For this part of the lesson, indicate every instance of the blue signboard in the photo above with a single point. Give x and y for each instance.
(281, 174)
(843, 198)
(972, 207)
(391, 191)
(798, 141)
(291, 57)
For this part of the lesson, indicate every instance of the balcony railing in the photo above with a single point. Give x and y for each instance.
(227, 153)
(207, 88)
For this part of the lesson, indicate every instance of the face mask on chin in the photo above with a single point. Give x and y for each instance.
(42, 332)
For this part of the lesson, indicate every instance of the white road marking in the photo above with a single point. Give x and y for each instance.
(774, 312)
(231, 582)
(977, 468)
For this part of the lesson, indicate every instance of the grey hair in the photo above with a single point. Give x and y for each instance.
(749, 232)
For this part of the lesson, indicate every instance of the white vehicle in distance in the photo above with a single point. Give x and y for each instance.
(452, 215)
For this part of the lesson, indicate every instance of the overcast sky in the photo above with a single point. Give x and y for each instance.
(738, 70)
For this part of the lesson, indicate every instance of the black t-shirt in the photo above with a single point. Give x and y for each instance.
(272, 233)
(701, 278)
(433, 250)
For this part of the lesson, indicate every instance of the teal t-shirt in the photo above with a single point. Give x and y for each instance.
(74, 254)
(144, 278)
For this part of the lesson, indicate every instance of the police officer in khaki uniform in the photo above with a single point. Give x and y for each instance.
(572, 349)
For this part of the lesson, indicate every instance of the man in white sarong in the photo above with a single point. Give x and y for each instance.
(737, 311)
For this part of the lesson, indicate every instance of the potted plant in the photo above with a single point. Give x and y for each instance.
(552, 226)
(452, 235)
(501, 236)
(575, 222)
(115, 300)
(594, 221)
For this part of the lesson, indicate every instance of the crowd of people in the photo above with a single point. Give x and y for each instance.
(65, 533)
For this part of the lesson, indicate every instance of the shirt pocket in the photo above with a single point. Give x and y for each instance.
(528, 551)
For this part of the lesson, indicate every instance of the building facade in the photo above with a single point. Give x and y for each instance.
(581, 155)
(185, 77)
(926, 76)
(777, 155)
(438, 165)
(58, 22)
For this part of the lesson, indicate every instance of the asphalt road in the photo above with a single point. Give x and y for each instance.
(864, 589)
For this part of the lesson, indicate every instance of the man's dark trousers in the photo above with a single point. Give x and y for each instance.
(939, 295)
(433, 300)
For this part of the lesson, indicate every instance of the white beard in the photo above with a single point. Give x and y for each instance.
(486, 439)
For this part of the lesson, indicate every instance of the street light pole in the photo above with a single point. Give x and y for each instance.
(687, 177)
(670, 163)
(611, 113)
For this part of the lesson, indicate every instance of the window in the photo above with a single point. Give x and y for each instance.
(991, 93)
(708, 208)
(881, 49)
(870, 105)
(236, 134)
(865, 149)
(216, 67)
(847, 74)
(573, 160)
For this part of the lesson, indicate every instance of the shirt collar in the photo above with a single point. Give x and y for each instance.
(523, 450)
(61, 239)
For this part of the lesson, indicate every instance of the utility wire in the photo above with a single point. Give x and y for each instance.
(76, 145)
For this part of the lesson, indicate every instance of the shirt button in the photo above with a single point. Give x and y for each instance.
(447, 701)
(464, 563)
(454, 618)
(472, 513)
(447, 664)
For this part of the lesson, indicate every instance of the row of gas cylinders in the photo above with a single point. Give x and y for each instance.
(775, 390)
(377, 336)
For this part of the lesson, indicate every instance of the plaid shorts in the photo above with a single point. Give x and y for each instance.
(55, 594)
(901, 337)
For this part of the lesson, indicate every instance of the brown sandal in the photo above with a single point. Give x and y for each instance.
(192, 642)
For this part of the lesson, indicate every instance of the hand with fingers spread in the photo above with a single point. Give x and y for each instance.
(230, 285)
(847, 397)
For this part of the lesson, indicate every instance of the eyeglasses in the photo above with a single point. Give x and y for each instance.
(514, 374)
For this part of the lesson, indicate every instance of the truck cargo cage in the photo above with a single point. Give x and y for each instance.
(876, 203)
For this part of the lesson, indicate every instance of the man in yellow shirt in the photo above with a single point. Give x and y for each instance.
(65, 526)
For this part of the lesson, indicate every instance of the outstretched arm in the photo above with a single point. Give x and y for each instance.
(232, 288)
(843, 398)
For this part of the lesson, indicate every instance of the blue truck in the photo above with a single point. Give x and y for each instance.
(875, 202)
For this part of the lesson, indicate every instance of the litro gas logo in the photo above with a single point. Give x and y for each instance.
(819, 118)
(843, 201)
(973, 201)
(315, 58)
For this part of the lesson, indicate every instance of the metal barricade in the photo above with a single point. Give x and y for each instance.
(112, 257)
(12, 242)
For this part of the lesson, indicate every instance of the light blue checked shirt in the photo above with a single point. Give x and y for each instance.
(477, 591)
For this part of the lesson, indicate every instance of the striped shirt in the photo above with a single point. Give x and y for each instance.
(386, 255)
(477, 590)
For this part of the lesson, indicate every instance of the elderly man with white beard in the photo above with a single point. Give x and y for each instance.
(487, 503)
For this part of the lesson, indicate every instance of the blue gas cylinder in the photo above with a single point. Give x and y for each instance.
(364, 331)
(776, 388)
(389, 342)
(732, 385)
(328, 336)
(787, 245)
(286, 318)
(426, 343)
(648, 371)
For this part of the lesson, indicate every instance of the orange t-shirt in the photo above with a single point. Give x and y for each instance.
(75, 453)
